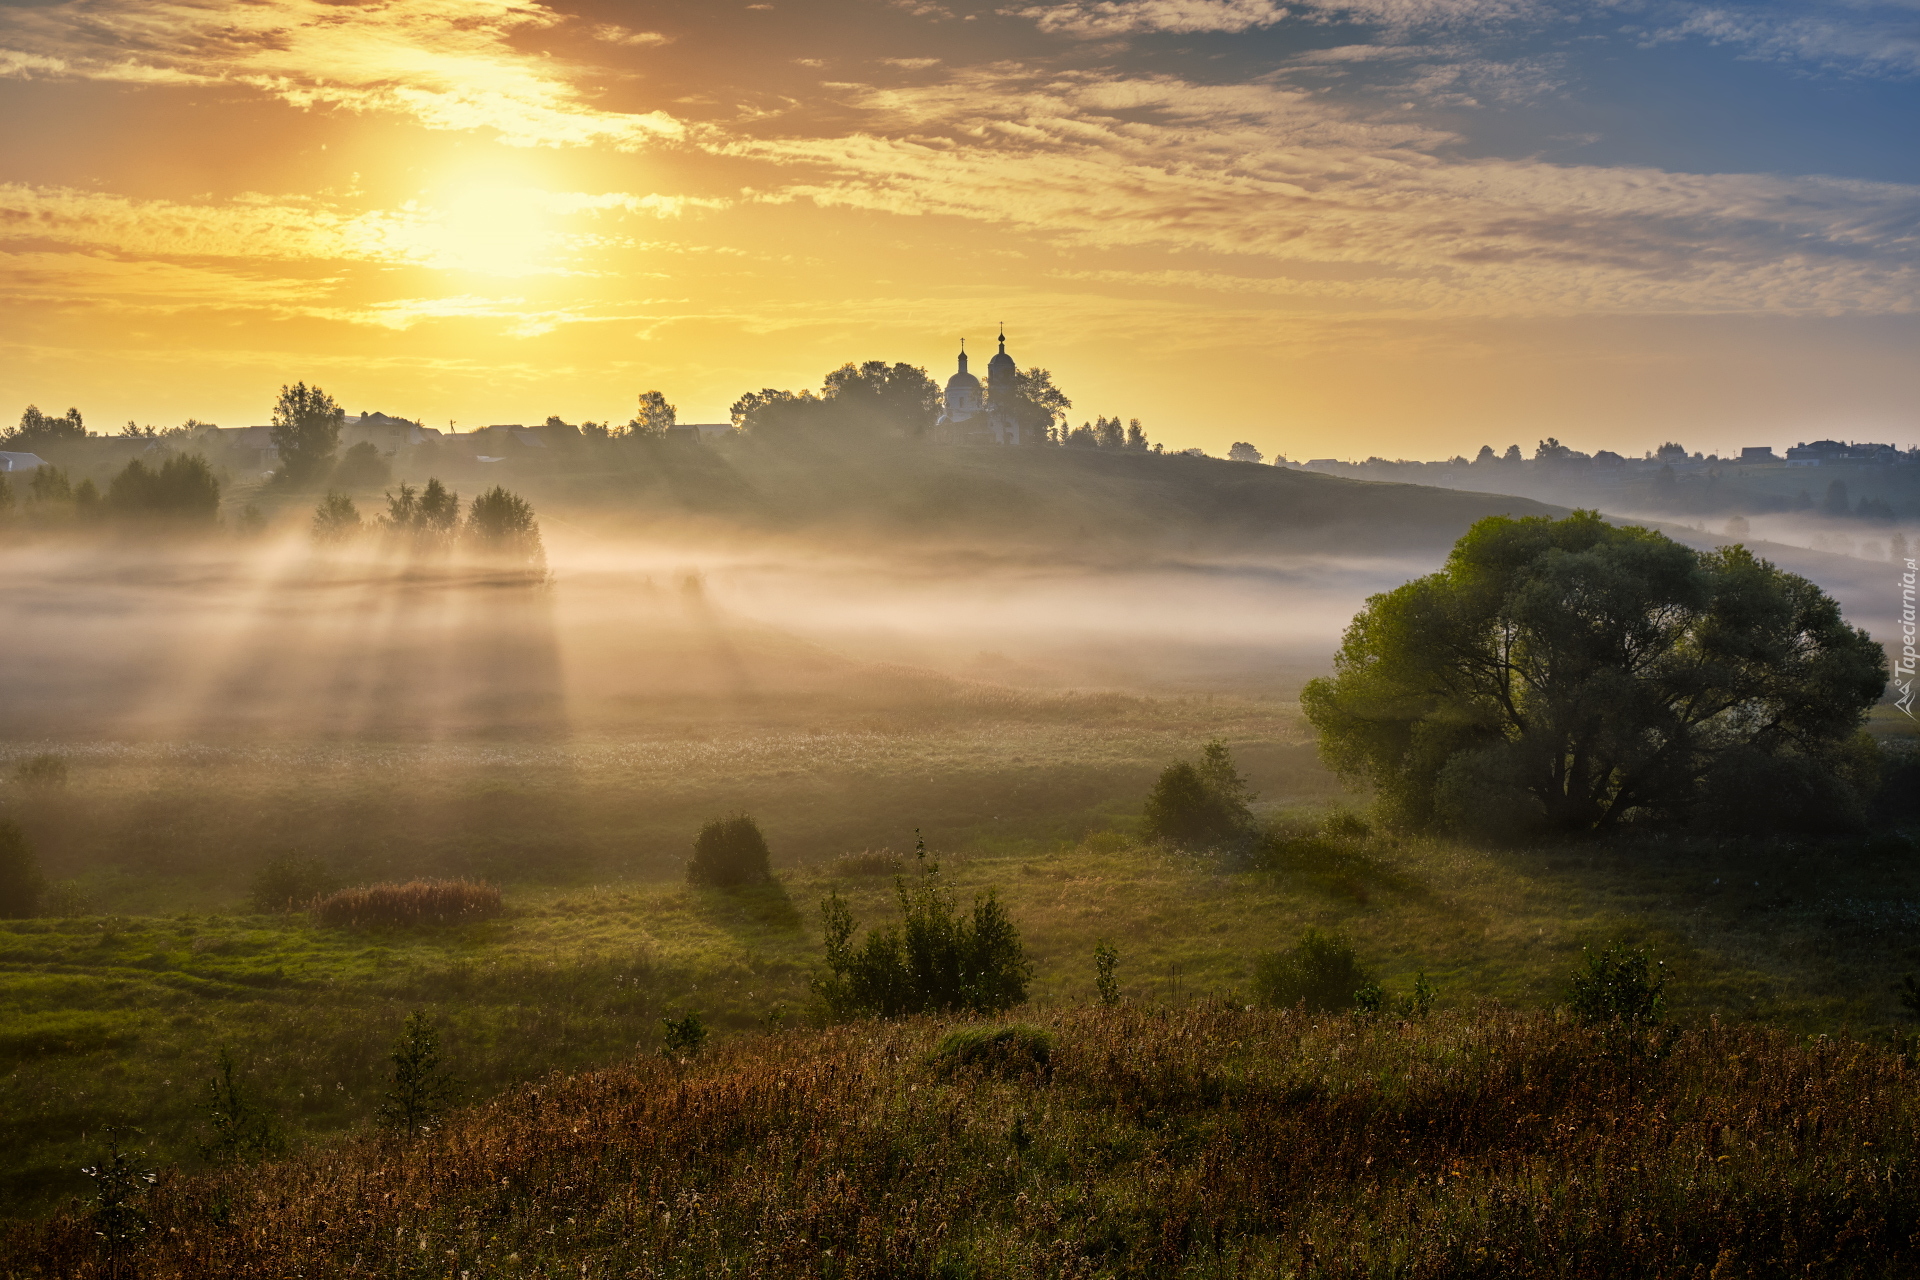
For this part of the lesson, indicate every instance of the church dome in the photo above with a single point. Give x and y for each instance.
(1001, 365)
(963, 378)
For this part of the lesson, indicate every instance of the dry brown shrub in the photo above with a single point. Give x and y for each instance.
(415, 902)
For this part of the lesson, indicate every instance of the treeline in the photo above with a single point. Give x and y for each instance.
(180, 492)
(499, 526)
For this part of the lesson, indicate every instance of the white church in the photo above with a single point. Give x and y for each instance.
(984, 416)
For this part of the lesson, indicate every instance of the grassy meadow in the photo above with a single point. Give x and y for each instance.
(114, 1015)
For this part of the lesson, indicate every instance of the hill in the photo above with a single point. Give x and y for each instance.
(1048, 501)
(1205, 1141)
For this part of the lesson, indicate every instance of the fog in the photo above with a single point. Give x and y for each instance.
(276, 640)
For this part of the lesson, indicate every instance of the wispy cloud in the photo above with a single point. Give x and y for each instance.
(1260, 172)
(448, 64)
(1105, 18)
(1864, 39)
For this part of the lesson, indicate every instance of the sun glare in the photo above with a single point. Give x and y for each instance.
(492, 228)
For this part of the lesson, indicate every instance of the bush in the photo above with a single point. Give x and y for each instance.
(935, 961)
(501, 526)
(421, 1087)
(1323, 971)
(1021, 1049)
(20, 879)
(290, 882)
(414, 903)
(336, 519)
(685, 1036)
(183, 490)
(1618, 987)
(1105, 961)
(46, 771)
(729, 853)
(1200, 805)
(362, 467)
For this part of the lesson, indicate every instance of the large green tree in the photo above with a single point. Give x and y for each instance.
(306, 431)
(1569, 674)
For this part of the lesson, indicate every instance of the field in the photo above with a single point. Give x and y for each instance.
(1205, 1140)
(115, 1015)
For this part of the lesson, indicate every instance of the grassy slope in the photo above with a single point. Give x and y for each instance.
(118, 1020)
(1204, 1141)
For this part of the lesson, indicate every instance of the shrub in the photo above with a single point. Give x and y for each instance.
(414, 903)
(1020, 1049)
(501, 526)
(1322, 971)
(241, 1130)
(935, 961)
(47, 772)
(362, 467)
(1105, 960)
(182, 490)
(1618, 987)
(336, 519)
(421, 1087)
(728, 853)
(685, 1036)
(290, 882)
(20, 880)
(1199, 805)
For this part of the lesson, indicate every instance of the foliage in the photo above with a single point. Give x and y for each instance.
(1039, 406)
(871, 398)
(335, 520)
(291, 882)
(362, 467)
(684, 1036)
(306, 431)
(241, 1130)
(1569, 675)
(501, 526)
(1105, 961)
(50, 484)
(1618, 986)
(934, 961)
(872, 862)
(1020, 1049)
(1244, 452)
(120, 1186)
(1200, 805)
(655, 415)
(20, 880)
(1321, 971)
(729, 853)
(417, 902)
(37, 429)
(421, 1088)
(46, 772)
(182, 490)
(424, 517)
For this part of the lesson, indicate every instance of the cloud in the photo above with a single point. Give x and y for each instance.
(448, 64)
(1105, 18)
(613, 33)
(1262, 173)
(1859, 39)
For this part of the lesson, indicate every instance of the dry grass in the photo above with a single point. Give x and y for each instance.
(1206, 1141)
(416, 902)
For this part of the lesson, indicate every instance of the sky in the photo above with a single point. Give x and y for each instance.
(1332, 228)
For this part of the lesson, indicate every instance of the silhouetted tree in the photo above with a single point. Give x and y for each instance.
(306, 431)
(362, 467)
(501, 526)
(1136, 436)
(1108, 434)
(1486, 456)
(654, 417)
(182, 491)
(900, 396)
(1565, 674)
(1671, 451)
(50, 484)
(1512, 454)
(1243, 452)
(1040, 407)
(336, 519)
(37, 429)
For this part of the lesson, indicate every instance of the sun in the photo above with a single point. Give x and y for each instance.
(491, 221)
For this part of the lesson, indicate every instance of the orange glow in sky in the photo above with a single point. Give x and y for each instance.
(1394, 227)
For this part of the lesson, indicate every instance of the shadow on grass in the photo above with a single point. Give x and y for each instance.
(751, 907)
(1337, 867)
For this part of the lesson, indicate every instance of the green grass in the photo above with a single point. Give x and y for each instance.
(118, 1020)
